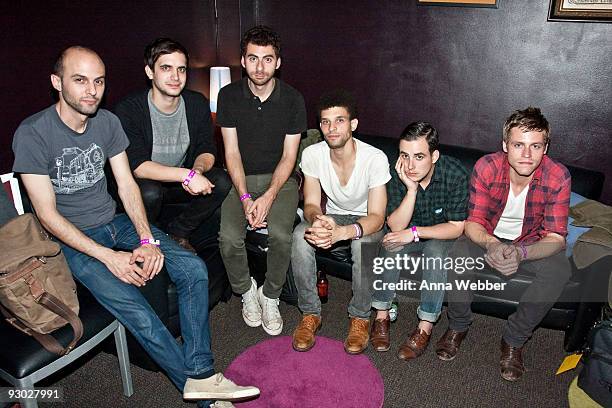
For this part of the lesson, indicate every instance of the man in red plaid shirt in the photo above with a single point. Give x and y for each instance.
(517, 220)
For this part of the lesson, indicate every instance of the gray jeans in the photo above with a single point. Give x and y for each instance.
(304, 266)
(551, 275)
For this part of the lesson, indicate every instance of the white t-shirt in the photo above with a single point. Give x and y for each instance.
(510, 225)
(371, 170)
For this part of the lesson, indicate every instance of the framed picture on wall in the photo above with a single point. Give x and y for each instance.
(467, 3)
(581, 10)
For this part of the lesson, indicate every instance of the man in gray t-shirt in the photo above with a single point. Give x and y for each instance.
(74, 162)
(60, 153)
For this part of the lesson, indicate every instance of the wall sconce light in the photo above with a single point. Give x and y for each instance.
(219, 77)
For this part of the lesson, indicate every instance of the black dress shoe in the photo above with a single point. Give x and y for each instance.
(511, 362)
(448, 345)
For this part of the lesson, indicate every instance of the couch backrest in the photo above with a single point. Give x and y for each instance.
(588, 183)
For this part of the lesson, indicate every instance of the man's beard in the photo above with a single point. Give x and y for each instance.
(82, 109)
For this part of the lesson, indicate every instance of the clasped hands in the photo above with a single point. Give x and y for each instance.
(503, 257)
(137, 267)
(324, 232)
(256, 211)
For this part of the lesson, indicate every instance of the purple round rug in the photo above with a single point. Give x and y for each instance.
(325, 376)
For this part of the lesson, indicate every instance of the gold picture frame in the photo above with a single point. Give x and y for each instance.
(595, 11)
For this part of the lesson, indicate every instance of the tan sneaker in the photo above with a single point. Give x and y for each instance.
(304, 335)
(216, 387)
(358, 336)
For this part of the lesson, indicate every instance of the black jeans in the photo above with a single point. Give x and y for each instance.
(551, 275)
(156, 194)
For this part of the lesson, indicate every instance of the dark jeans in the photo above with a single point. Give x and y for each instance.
(551, 275)
(156, 194)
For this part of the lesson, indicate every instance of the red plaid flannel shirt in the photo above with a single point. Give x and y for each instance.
(547, 203)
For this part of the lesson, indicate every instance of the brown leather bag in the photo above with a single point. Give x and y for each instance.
(37, 291)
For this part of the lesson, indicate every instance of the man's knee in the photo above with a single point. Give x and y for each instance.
(435, 248)
(557, 268)
(299, 231)
(280, 237)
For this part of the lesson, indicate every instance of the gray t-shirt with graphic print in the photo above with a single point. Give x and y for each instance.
(170, 134)
(43, 144)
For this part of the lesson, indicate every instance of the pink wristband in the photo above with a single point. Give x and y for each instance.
(523, 251)
(189, 177)
(151, 241)
(357, 232)
(415, 233)
(245, 196)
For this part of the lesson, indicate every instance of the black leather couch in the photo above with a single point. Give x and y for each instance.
(572, 316)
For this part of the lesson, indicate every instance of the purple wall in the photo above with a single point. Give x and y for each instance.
(117, 30)
(463, 69)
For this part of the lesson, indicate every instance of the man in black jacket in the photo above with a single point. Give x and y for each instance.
(172, 150)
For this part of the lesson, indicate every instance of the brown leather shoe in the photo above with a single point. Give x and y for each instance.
(358, 336)
(184, 243)
(511, 362)
(414, 345)
(380, 334)
(448, 345)
(304, 335)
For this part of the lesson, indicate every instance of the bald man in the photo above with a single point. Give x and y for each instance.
(60, 153)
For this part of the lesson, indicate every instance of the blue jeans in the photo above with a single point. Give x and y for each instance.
(431, 300)
(128, 305)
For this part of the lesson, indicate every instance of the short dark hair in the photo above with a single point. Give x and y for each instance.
(58, 67)
(163, 46)
(340, 98)
(420, 129)
(261, 35)
(530, 119)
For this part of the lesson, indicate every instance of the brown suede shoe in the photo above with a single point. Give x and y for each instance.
(304, 335)
(184, 243)
(358, 336)
(448, 345)
(380, 334)
(511, 362)
(414, 345)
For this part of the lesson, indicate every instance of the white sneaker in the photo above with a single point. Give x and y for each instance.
(251, 310)
(270, 317)
(216, 387)
(222, 404)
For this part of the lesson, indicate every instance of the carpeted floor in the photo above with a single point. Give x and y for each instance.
(471, 380)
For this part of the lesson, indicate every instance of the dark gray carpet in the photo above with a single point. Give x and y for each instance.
(471, 380)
